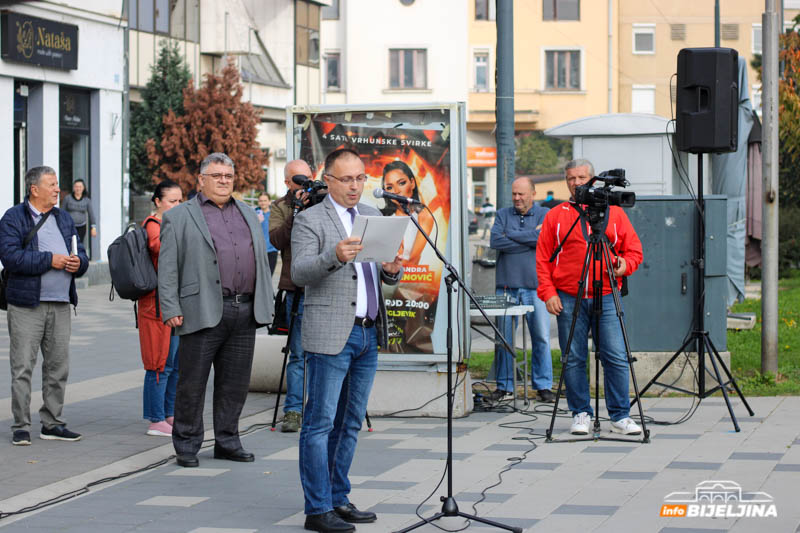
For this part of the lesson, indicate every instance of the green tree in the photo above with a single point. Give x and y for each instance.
(163, 93)
(214, 120)
(788, 116)
(535, 155)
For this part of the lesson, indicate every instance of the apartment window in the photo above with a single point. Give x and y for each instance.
(176, 18)
(333, 72)
(756, 38)
(481, 62)
(408, 69)
(563, 70)
(561, 10)
(306, 34)
(331, 12)
(644, 38)
(485, 10)
(643, 99)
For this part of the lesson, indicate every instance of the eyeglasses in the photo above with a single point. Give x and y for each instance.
(217, 176)
(347, 180)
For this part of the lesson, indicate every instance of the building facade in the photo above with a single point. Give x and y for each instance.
(61, 87)
(652, 34)
(565, 54)
(275, 44)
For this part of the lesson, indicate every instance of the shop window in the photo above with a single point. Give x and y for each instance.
(561, 10)
(563, 70)
(408, 69)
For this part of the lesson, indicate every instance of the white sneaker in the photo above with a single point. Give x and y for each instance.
(626, 426)
(580, 424)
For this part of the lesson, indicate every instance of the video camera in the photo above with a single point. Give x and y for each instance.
(315, 189)
(599, 198)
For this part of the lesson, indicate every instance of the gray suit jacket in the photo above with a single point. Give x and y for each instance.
(329, 308)
(188, 275)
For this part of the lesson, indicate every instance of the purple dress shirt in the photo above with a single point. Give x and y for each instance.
(234, 245)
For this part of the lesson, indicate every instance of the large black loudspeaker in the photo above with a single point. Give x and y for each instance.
(707, 106)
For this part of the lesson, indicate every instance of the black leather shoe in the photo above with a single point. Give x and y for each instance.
(327, 523)
(546, 396)
(349, 513)
(187, 460)
(240, 455)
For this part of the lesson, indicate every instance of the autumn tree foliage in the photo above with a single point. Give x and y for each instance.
(789, 119)
(215, 120)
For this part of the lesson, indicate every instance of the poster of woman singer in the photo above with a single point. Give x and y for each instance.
(411, 160)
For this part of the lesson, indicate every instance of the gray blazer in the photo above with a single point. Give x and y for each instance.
(329, 308)
(188, 275)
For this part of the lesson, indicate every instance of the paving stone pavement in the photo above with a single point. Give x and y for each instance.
(599, 486)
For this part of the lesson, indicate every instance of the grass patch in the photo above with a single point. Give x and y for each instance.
(744, 345)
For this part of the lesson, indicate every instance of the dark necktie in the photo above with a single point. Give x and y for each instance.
(369, 281)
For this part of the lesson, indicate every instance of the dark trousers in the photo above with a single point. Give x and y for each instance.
(272, 257)
(229, 347)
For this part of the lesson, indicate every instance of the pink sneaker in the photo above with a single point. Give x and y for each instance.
(171, 420)
(160, 429)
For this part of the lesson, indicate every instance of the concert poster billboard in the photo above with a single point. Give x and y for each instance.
(408, 152)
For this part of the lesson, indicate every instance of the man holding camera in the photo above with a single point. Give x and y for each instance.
(558, 288)
(345, 321)
(280, 235)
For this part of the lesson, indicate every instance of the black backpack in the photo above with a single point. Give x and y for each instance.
(132, 271)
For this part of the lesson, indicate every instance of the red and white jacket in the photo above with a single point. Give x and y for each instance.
(564, 272)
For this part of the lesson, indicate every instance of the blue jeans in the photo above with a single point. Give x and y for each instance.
(338, 390)
(611, 350)
(159, 391)
(539, 329)
(294, 368)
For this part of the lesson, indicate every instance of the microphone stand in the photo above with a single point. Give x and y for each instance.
(449, 505)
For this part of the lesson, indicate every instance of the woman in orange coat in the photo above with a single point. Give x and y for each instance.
(159, 346)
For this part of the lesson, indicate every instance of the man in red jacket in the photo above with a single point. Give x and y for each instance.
(558, 288)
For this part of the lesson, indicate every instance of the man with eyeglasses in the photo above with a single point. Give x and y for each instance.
(215, 289)
(280, 235)
(514, 235)
(344, 323)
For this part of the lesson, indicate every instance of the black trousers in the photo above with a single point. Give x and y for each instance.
(272, 257)
(228, 346)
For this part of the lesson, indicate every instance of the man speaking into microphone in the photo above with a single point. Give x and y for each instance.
(344, 322)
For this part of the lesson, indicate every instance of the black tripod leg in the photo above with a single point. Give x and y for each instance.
(280, 386)
(286, 351)
(722, 387)
(664, 368)
(713, 349)
(492, 523)
(369, 422)
(565, 350)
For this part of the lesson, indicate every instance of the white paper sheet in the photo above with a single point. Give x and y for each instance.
(380, 237)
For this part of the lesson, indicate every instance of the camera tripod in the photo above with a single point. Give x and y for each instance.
(700, 336)
(599, 249)
(449, 505)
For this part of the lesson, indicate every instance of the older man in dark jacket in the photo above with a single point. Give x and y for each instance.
(42, 254)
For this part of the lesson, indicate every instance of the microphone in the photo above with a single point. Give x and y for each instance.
(380, 193)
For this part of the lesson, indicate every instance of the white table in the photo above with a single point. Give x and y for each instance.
(518, 311)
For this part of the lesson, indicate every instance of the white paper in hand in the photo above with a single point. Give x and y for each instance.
(380, 237)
